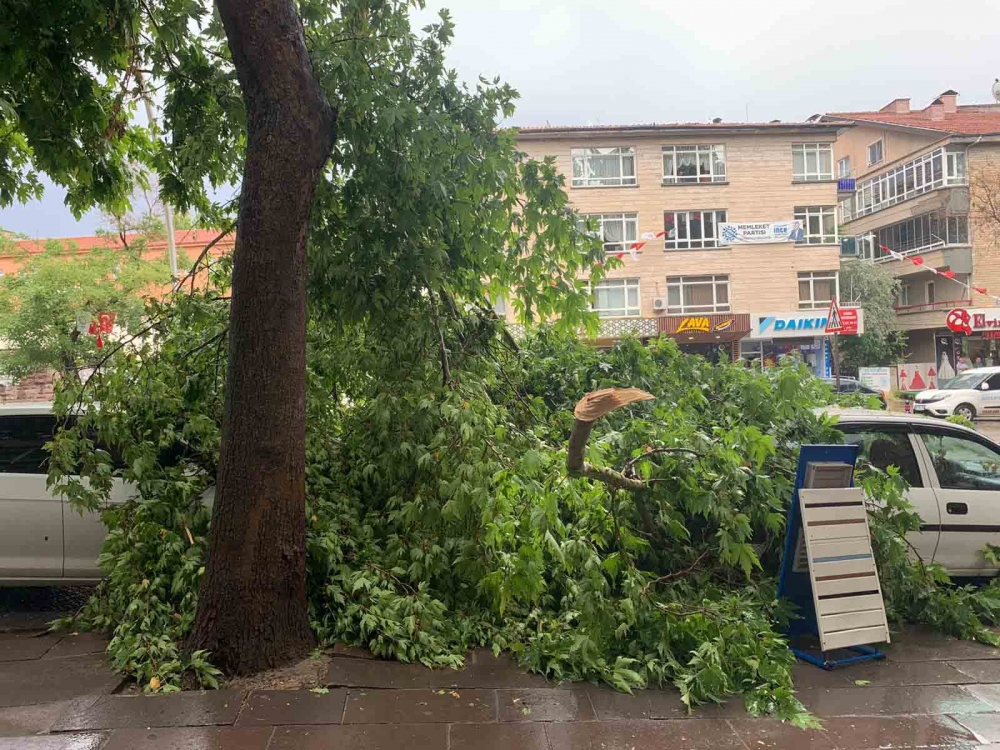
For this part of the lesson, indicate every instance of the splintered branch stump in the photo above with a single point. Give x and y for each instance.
(588, 410)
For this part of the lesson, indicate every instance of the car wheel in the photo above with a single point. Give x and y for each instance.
(966, 410)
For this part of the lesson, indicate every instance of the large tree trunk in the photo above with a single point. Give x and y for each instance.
(252, 613)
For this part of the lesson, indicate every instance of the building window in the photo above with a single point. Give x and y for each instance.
(812, 161)
(691, 229)
(938, 168)
(929, 296)
(616, 298)
(819, 224)
(694, 164)
(844, 167)
(817, 289)
(616, 231)
(875, 152)
(603, 167)
(698, 294)
(921, 233)
(904, 296)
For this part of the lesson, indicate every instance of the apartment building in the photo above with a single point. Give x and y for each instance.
(915, 184)
(673, 188)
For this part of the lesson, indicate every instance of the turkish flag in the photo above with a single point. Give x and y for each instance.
(980, 289)
(917, 261)
(949, 274)
(106, 322)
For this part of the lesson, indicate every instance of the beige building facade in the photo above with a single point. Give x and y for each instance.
(671, 187)
(921, 178)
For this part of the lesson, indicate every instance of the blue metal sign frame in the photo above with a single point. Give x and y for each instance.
(797, 587)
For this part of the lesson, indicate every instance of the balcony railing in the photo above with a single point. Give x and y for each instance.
(847, 185)
(946, 304)
(935, 169)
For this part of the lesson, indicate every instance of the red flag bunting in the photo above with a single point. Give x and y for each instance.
(981, 290)
(637, 246)
(917, 260)
(949, 274)
(619, 255)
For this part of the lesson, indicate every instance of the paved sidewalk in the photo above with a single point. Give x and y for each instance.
(57, 692)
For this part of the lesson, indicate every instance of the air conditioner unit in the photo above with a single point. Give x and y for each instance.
(660, 304)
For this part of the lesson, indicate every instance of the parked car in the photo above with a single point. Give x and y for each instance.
(853, 385)
(954, 478)
(43, 541)
(974, 393)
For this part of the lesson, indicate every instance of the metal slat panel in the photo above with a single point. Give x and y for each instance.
(814, 516)
(823, 549)
(840, 531)
(845, 604)
(847, 585)
(852, 621)
(841, 567)
(844, 638)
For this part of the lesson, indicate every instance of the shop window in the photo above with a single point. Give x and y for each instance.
(604, 167)
(817, 289)
(616, 231)
(616, 298)
(698, 294)
(686, 230)
(701, 163)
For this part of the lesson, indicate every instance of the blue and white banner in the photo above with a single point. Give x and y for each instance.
(797, 324)
(759, 232)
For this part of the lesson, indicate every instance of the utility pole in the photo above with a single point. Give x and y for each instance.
(836, 361)
(168, 214)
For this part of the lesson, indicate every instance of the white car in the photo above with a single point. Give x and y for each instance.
(974, 393)
(954, 478)
(44, 541)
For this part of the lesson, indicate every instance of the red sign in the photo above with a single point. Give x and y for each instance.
(959, 321)
(991, 334)
(843, 320)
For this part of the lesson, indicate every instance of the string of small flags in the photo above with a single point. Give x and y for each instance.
(104, 323)
(918, 260)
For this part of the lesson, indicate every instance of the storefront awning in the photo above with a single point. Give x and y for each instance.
(705, 329)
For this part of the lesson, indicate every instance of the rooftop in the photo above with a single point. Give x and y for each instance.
(186, 238)
(658, 127)
(943, 114)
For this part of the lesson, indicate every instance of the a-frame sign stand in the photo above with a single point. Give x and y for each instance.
(831, 568)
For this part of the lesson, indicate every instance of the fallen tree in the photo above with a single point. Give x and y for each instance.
(440, 514)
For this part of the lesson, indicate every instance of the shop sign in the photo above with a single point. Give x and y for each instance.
(962, 320)
(879, 378)
(843, 320)
(702, 324)
(802, 323)
(760, 232)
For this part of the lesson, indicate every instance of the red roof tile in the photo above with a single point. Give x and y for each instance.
(979, 119)
(186, 238)
(535, 129)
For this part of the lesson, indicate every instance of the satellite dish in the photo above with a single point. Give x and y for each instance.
(996, 89)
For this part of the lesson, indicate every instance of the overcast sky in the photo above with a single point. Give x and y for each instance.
(579, 62)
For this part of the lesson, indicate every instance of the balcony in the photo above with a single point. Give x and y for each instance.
(847, 185)
(936, 169)
(926, 316)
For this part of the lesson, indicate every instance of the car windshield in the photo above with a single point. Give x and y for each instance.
(963, 382)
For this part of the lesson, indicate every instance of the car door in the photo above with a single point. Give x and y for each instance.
(966, 480)
(31, 531)
(988, 397)
(885, 444)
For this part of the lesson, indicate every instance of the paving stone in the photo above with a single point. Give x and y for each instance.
(545, 704)
(611, 705)
(82, 741)
(39, 718)
(894, 701)
(420, 706)
(765, 734)
(190, 738)
(986, 727)
(810, 676)
(21, 646)
(49, 680)
(362, 737)
(949, 650)
(988, 693)
(365, 673)
(483, 670)
(353, 652)
(682, 734)
(885, 673)
(277, 707)
(193, 709)
(980, 670)
(897, 732)
(498, 737)
(78, 644)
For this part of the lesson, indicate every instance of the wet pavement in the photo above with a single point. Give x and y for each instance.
(57, 692)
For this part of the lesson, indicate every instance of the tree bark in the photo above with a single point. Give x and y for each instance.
(252, 611)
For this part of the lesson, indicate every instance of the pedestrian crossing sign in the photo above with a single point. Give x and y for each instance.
(834, 322)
